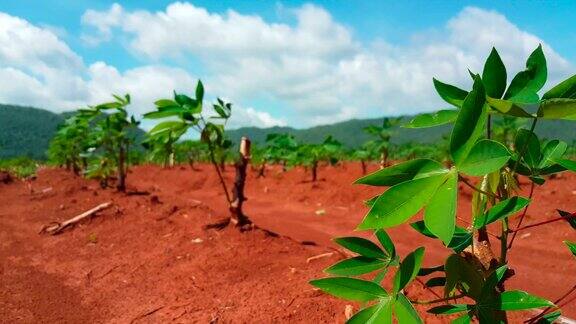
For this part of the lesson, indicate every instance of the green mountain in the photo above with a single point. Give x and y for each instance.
(351, 135)
(26, 131)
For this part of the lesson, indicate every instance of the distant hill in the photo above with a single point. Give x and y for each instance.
(26, 131)
(351, 135)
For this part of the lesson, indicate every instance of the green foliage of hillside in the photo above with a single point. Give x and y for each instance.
(350, 133)
(26, 131)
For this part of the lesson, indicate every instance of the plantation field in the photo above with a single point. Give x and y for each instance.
(148, 259)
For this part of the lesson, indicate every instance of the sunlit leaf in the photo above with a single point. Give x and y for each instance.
(402, 201)
(350, 288)
(501, 210)
(402, 172)
(494, 75)
(440, 214)
(438, 118)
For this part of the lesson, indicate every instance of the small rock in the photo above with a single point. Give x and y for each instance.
(348, 311)
(197, 240)
(321, 212)
(525, 235)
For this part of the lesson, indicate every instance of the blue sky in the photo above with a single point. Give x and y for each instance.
(291, 62)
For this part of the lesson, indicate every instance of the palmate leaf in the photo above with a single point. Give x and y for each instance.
(438, 118)
(525, 85)
(380, 313)
(486, 156)
(571, 246)
(356, 266)
(565, 89)
(440, 214)
(362, 246)
(501, 210)
(569, 217)
(350, 288)
(460, 240)
(402, 201)
(528, 145)
(552, 151)
(449, 309)
(560, 108)
(508, 107)
(469, 125)
(386, 242)
(514, 300)
(451, 94)
(459, 271)
(405, 312)
(408, 269)
(402, 172)
(494, 75)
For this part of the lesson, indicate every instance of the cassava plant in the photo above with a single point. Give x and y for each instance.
(279, 149)
(310, 155)
(474, 275)
(110, 138)
(69, 144)
(184, 114)
(380, 144)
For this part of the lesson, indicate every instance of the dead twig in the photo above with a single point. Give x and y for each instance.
(55, 227)
(319, 256)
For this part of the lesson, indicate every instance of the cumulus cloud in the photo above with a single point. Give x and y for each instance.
(307, 62)
(316, 66)
(37, 68)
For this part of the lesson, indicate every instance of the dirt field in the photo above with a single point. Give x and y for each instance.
(148, 260)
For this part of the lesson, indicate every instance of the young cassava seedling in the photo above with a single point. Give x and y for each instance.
(185, 113)
(477, 268)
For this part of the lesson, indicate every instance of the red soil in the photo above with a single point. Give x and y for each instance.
(148, 260)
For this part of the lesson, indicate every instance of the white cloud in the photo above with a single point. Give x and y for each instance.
(309, 63)
(37, 68)
(316, 66)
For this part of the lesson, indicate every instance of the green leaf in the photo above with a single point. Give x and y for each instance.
(380, 313)
(167, 126)
(571, 246)
(461, 239)
(567, 164)
(451, 94)
(565, 89)
(549, 318)
(440, 214)
(508, 107)
(513, 300)
(427, 271)
(402, 201)
(494, 75)
(438, 118)
(435, 282)
(356, 266)
(163, 103)
(449, 309)
(362, 246)
(405, 312)
(162, 114)
(350, 288)
(386, 242)
(199, 91)
(469, 125)
(402, 172)
(408, 270)
(485, 157)
(528, 145)
(569, 217)
(464, 319)
(460, 272)
(552, 151)
(526, 84)
(493, 279)
(501, 210)
(557, 109)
